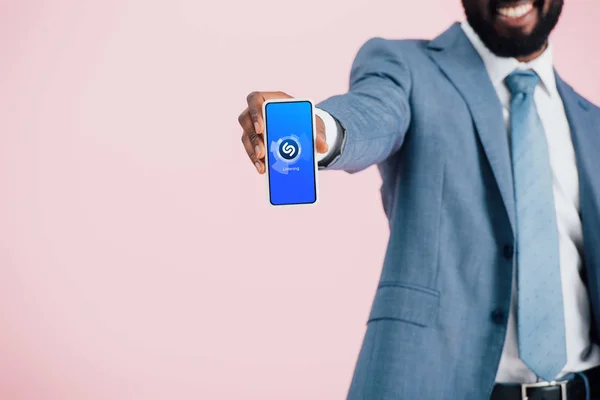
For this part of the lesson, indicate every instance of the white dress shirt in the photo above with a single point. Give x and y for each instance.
(582, 354)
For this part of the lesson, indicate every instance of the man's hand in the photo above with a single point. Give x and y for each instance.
(251, 120)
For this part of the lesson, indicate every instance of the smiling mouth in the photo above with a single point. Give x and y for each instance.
(516, 9)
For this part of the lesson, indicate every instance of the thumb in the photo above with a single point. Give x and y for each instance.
(321, 142)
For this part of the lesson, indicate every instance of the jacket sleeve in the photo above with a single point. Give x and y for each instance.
(375, 113)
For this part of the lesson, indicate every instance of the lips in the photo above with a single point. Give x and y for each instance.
(515, 11)
(520, 15)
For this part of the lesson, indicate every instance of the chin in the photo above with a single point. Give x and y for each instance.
(515, 28)
(518, 18)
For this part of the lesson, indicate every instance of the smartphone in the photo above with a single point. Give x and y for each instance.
(290, 152)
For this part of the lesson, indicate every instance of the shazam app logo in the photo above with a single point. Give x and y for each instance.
(286, 152)
(289, 149)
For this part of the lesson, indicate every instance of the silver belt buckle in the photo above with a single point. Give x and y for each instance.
(527, 386)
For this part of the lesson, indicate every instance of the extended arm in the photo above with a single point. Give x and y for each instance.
(375, 114)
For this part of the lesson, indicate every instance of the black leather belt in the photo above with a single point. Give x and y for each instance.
(573, 389)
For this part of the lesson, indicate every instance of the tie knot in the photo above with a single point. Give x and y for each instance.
(522, 82)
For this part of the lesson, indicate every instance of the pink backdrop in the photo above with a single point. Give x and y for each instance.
(133, 262)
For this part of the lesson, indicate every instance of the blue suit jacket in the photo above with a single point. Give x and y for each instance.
(427, 114)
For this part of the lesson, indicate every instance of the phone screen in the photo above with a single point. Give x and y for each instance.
(289, 141)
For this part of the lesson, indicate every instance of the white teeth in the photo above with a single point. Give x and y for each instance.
(515, 12)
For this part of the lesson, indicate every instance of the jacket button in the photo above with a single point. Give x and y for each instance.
(498, 316)
(509, 251)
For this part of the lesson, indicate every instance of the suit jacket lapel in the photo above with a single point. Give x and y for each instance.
(586, 141)
(462, 65)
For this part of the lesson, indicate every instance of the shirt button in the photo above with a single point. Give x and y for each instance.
(498, 316)
(509, 251)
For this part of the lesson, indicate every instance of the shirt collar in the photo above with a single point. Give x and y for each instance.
(499, 68)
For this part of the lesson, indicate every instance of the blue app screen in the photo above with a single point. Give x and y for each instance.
(290, 148)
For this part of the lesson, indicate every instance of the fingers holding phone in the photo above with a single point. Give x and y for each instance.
(252, 122)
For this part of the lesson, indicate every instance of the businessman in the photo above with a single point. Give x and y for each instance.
(490, 162)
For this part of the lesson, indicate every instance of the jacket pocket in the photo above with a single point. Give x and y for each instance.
(403, 302)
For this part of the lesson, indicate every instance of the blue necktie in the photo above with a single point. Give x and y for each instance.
(540, 311)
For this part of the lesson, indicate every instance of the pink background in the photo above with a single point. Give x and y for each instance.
(133, 262)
